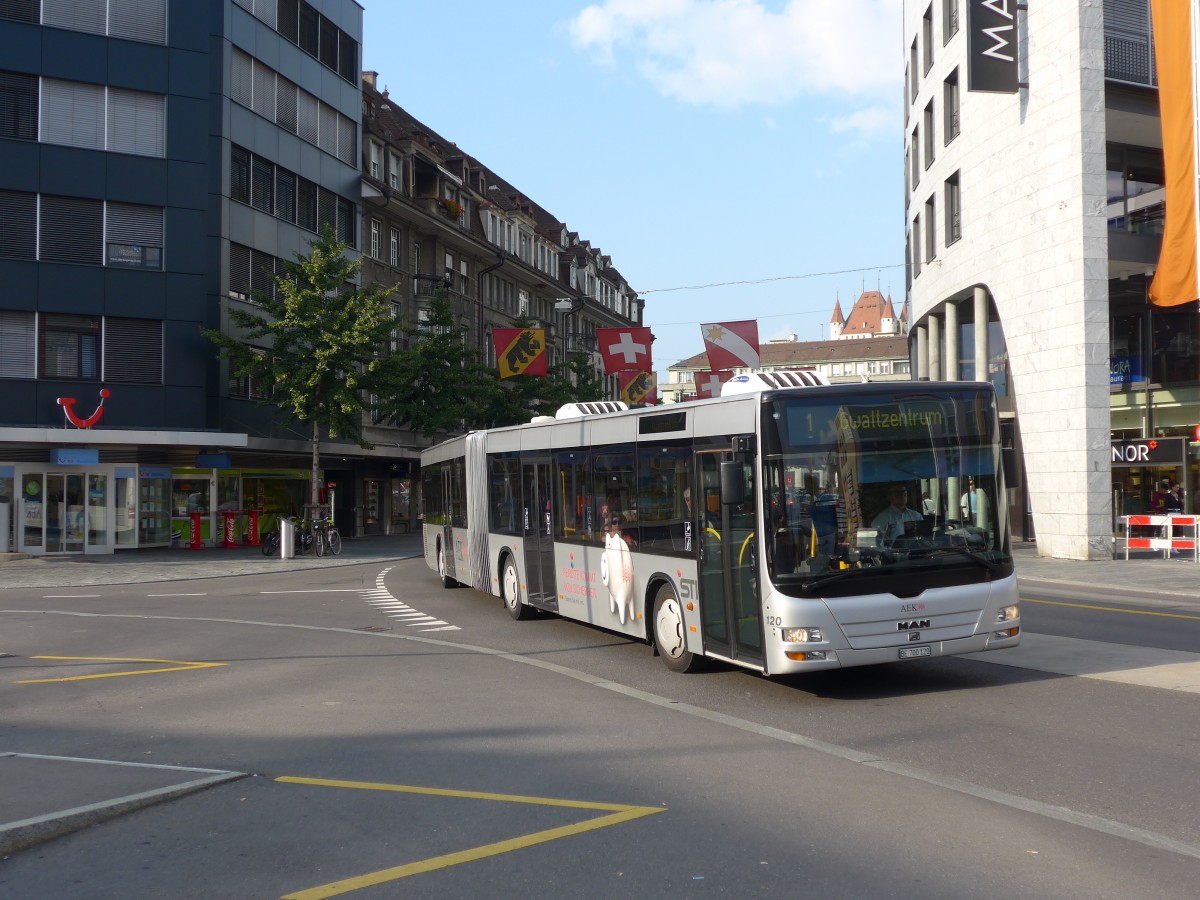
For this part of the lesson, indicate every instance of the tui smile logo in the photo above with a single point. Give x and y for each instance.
(68, 405)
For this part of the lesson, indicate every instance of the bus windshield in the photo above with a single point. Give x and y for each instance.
(865, 491)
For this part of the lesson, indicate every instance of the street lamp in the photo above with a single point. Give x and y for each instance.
(568, 308)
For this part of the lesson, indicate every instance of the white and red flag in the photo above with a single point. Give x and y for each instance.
(625, 349)
(708, 384)
(731, 345)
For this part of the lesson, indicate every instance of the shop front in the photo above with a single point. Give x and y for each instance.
(62, 506)
(1139, 467)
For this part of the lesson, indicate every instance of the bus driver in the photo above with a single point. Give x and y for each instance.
(892, 522)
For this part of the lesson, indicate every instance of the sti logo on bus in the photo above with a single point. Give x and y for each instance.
(912, 624)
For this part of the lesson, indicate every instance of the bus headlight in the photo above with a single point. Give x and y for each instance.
(802, 635)
(1008, 613)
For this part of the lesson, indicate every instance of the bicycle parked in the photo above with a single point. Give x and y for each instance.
(327, 537)
(310, 537)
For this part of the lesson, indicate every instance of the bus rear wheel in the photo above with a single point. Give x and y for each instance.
(510, 585)
(670, 637)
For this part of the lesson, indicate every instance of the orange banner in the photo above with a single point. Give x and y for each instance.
(1175, 279)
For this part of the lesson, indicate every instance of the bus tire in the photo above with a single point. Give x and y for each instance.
(510, 587)
(670, 636)
(447, 581)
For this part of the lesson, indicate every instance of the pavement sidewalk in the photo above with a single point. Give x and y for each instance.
(170, 564)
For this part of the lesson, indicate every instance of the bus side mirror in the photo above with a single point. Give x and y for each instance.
(1012, 468)
(733, 482)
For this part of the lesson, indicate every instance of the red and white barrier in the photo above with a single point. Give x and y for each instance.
(1165, 533)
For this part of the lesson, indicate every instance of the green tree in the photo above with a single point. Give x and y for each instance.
(436, 384)
(323, 340)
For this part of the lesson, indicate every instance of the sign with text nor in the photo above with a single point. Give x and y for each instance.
(1149, 452)
(992, 46)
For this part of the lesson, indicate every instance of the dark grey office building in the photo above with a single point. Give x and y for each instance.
(156, 158)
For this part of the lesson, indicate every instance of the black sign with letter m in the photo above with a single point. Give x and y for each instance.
(992, 57)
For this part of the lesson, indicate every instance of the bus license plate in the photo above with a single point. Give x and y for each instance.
(915, 652)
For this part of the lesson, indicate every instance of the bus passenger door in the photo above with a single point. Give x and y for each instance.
(449, 509)
(729, 601)
(538, 530)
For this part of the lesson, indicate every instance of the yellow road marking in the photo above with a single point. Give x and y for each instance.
(175, 664)
(1129, 612)
(618, 813)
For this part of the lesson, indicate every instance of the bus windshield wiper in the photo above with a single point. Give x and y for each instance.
(973, 555)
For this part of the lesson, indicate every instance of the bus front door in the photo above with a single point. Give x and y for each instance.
(729, 601)
(538, 529)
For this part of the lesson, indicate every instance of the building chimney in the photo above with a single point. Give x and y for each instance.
(369, 79)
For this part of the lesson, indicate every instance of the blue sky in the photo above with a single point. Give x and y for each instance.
(748, 144)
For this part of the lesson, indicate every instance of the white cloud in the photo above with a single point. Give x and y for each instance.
(730, 53)
(868, 123)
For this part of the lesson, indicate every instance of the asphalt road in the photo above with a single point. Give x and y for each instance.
(400, 740)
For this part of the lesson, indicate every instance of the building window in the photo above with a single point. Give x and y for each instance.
(950, 107)
(912, 67)
(1136, 190)
(285, 195)
(916, 246)
(99, 118)
(18, 225)
(916, 157)
(17, 344)
(928, 120)
(71, 230)
(68, 346)
(375, 161)
(394, 249)
(262, 185)
(135, 20)
(953, 210)
(244, 387)
(393, 171)
(376, 238)
(927, 37)
(133, 350)
(930, 231)
(949, 20)
(133, 236)
(18, 106)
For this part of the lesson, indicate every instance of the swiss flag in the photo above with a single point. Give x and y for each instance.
(708, 384)
(731, 345)
(625, 349)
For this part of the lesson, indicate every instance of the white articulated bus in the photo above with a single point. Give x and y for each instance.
(786, 526)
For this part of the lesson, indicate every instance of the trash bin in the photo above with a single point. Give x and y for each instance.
(287, 538)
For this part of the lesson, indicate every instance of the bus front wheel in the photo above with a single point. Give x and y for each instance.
(447, 581)
(511, 586)
(669, 632)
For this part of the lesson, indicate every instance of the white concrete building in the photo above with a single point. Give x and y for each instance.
(1021, 211)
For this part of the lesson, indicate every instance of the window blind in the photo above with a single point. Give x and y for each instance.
(133, 351)
(17, 344)
(136, 123)
(72, 113)
(18, 225)
(70, 230)
(18, 106)
(138, 20)
(77, 15)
